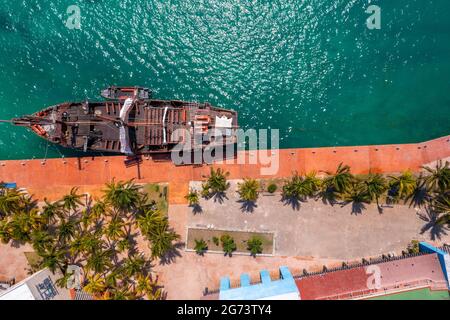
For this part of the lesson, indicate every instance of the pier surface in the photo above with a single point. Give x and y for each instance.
(54, 177)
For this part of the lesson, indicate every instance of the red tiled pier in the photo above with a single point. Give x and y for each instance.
(400, 274)
(55, 176)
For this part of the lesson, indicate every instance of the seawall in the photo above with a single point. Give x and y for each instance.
(54, 177)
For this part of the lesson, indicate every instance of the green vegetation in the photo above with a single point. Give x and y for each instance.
(297, 187)
(431, 189)
(228, 244)
(254, 245)
(98, 236)
(200, 246)
(403, 187)
(157, 195)
(413, 247)
(212, 239)
(192, 197)
(272, 187)
(248, 190)
(376, 186)
(216, 184)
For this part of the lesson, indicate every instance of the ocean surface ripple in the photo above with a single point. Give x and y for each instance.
(310, 68)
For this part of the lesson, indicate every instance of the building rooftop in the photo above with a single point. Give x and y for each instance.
(39, 286)
(281, 289)
(418, 271)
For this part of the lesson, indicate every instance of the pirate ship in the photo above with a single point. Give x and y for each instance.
(130, 122)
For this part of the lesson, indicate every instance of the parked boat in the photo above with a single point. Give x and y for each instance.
(132, 123)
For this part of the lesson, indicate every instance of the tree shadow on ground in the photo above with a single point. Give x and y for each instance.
(357, 207)
(247, 206)
(420, 197)
(219, 197)
(430, 218)
(196, 209)
(328, 197)
(294, 202)
(173, 254)
(17, 243)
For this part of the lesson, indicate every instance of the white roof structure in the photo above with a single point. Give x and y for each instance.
(39, 286)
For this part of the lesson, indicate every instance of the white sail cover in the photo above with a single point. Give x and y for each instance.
(124, 145)
(223, 122)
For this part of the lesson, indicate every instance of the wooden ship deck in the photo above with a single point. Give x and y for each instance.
(131, 123)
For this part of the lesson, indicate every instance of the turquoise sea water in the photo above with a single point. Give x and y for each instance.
(310, 68)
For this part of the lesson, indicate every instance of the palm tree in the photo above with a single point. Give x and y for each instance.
(115, 229)
(298, 188)
(438, 179)
(10, 202)
(91, 243)
(200, 247)
(41, 240)
(98, 209)
(123, 195)
(121, 293)
(313, 182)
(228, 244)
(96, 285)
(148, 287)
(133, 265)
(341, 180)
(51, 211)
(23, 223)
(71, 201)
(161, 238)
(217, 182)
(63, 281)
(356, 194)
(192, 197)
(123, 244)
(53, 258)
(99, 261)
(441, 205)
(5, 235)
(67, 230)
(113, 277)
(403, 186)
(248, 190)
(150, 219)
(376, 185)
(254, 245)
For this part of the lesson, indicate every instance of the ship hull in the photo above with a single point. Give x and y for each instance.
(133, 125)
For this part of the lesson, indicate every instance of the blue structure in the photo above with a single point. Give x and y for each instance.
(9, 185)
(284, 288)
(444, 258)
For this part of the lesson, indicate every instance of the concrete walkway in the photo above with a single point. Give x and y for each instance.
(48, 178)
(320, 230)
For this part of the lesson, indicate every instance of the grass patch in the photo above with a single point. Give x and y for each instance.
(34, 260)
(157, 193)
(240, 238)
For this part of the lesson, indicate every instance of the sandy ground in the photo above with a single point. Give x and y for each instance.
(13, 263)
